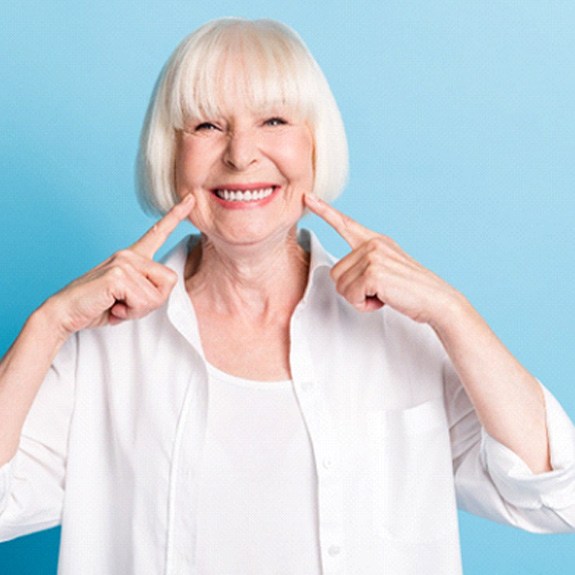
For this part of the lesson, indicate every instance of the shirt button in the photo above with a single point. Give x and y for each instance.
(327, 463)
(306, 385)
(334, 550)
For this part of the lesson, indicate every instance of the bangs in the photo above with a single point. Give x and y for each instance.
(264, 71)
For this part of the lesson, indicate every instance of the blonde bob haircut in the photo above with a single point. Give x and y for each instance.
(270, 66)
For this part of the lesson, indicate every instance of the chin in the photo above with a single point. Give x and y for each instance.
(252, 235)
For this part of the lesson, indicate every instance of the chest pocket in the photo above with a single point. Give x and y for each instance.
(411, 473)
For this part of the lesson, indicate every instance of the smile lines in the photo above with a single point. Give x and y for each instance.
(244, 196)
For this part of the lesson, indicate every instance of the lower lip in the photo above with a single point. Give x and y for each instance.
(238, 205)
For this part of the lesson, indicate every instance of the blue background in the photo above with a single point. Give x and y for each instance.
(461, 121)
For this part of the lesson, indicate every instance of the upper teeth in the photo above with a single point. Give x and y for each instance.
(247, 196)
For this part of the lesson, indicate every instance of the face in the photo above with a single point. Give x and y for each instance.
(248, 171)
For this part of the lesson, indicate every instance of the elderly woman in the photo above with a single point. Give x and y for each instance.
(250, 406)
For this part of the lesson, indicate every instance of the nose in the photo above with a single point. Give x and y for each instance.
(241, 150)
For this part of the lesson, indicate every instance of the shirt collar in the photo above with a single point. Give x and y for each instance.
(320, 259)
(319, 256)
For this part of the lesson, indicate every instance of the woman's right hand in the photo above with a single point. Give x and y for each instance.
(128, 285)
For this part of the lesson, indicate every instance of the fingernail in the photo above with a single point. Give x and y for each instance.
(313, 198)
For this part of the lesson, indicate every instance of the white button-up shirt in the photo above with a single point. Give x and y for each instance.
(113, 444)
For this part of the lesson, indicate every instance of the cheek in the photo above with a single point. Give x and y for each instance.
(300, 157)
(190, 165)
(181, 169)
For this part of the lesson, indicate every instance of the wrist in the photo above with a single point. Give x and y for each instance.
(47, 321)
(453, 315)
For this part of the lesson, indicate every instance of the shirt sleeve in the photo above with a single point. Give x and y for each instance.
(518, 484)
(5, 484)
(494, 482)
(32, 482)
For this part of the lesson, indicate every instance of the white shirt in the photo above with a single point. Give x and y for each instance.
(112, 447)
(257, 508)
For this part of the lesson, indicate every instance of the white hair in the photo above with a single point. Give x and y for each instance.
(271, 64)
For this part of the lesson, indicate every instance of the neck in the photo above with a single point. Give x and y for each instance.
(250, 281)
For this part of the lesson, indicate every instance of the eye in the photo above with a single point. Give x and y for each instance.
(207, 126)
(275, 121)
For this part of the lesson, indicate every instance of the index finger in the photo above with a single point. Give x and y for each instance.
(350, 230)
(155, 237)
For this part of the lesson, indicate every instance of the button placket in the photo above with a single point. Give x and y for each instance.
(321, 431)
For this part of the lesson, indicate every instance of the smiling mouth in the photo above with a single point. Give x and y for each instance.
(244, 195)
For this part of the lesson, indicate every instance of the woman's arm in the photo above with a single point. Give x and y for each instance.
(22, 371)
(508, 400)
(126, 286)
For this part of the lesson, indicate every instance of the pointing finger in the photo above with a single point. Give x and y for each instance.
(155, 237)
(350, 230)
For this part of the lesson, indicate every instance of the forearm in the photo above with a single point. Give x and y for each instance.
(22, 371)
(507, 398)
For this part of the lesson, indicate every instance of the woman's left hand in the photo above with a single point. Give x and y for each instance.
(378, 272)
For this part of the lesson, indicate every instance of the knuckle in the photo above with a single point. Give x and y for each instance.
(152, 303)
(341, 287)
(163, 294)
(374, 257)
(155, 297)
(122, 255)
(116, 273)
(346, 223)
(171, 277)
(380, 249)
(157, 230)
(166, 278)
(377, 243)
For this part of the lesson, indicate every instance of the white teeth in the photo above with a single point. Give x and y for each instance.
(247, 196)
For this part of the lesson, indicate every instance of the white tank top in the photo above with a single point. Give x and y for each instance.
(257, 508)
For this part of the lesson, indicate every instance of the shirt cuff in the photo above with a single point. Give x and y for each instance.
(5, 484)
(517, 484)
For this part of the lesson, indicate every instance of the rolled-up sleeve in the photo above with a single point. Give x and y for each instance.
(32, 482)
(494, 482)
(524, 489)
(5, 484)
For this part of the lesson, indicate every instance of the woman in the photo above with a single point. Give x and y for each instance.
(233, 410)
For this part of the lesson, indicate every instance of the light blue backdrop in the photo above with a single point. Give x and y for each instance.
(461, 121)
